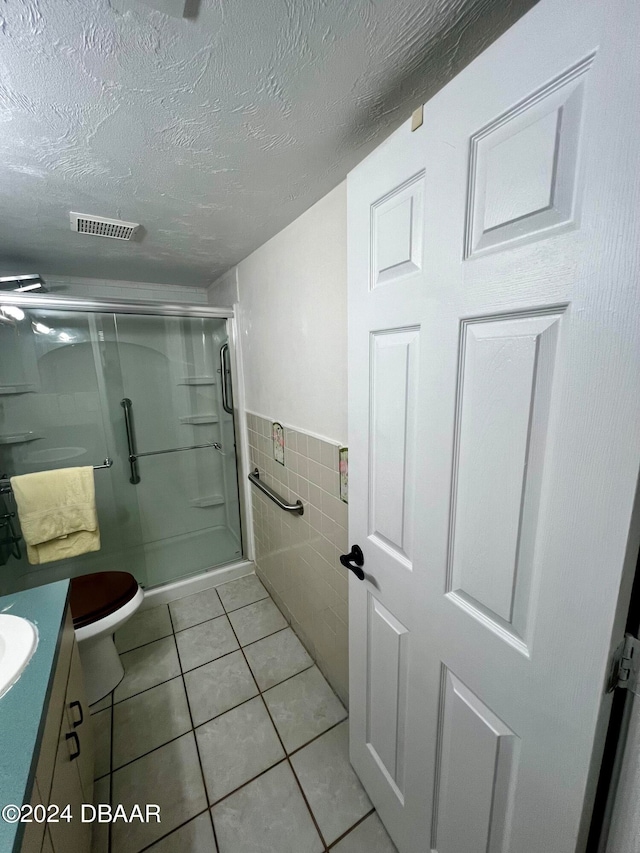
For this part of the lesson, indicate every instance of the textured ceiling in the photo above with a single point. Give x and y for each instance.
(213, 131)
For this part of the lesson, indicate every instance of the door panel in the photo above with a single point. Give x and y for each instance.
(505, 376)
(523, 166)
(396, 232)
(494, 454)
(394, 362)
(387, 672)
(475, 773)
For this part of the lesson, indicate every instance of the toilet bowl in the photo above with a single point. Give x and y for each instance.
(100, 604)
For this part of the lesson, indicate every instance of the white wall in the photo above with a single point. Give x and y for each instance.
(293, 321)
(223, 293)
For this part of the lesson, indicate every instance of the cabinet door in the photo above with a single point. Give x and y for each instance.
(33, 832)
(79, 722)
(55, 712)
(47, 846)
(66, 789)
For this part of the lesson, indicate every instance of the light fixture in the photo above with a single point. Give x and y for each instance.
(12, 311)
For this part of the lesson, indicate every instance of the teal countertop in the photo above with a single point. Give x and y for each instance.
(23, 708)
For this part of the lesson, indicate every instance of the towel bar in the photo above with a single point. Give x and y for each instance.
(5, 482)
(297, 507)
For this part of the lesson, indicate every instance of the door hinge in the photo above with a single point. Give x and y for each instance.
(625, 666)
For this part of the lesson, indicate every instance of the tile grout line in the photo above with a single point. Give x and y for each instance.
(200, 665)
(371, 811)
(193, 732)
(287, 755)
(287, 759)
(317, 737)
(172, 831)
(110, 772)
(249, 781)
(175, 631)
(210, 719)
(304, 745)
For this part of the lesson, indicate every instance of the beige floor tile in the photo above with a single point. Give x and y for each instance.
(147, 666)
(243, 591)
(169, 777)
(148, 720)
(333, 790)
(255, 621)
(277, 657)
(236, 747)
(219, 686)
(370, 836)
(102, 704)
(144, 627)
(186, 612)
(303, 707)
(268, 814)
(194, 837)
(205, 642)
(100, 831)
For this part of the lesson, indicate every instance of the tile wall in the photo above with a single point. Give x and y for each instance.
(297, 556)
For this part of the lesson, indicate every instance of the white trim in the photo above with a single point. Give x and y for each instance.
(100, 287)
(191, 309)
(243, 454)
(188, 586)
(299, 429)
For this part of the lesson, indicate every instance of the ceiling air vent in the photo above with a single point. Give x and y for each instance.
(100, 226)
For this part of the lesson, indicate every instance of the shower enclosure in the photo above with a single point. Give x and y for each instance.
(144, 393)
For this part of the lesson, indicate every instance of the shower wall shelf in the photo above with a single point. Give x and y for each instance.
(197, 380)
(200, 419)
(18, 437)
(212, 500)
(17, 389)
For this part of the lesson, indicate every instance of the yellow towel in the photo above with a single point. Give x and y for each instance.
(57, 511)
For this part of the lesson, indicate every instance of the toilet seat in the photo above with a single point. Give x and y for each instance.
(96, 596)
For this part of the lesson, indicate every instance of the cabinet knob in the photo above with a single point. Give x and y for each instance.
(78, 705)
(74, 736)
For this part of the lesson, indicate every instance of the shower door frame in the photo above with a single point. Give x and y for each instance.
(175, 309)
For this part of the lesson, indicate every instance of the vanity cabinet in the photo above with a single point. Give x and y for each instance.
(64, 771)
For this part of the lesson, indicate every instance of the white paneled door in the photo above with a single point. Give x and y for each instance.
(494, 441)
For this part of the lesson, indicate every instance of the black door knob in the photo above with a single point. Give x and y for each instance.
(353, 561)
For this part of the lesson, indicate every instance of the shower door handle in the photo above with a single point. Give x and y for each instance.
(127, 405)
(227, 400)
(134, 479)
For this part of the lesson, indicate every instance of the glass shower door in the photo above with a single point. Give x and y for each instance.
(181, 431)
(58, 372)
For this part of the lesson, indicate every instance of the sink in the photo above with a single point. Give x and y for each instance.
(18, 642)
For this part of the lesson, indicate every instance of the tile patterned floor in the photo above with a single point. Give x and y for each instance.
(223, 720)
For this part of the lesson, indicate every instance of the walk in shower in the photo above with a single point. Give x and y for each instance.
(142, 393)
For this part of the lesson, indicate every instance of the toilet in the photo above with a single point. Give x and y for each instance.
(100, 604)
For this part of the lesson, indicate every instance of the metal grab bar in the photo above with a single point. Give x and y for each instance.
(134, 479)
(127, 405)
(178, 449)
(224, 387)
(297, 507)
